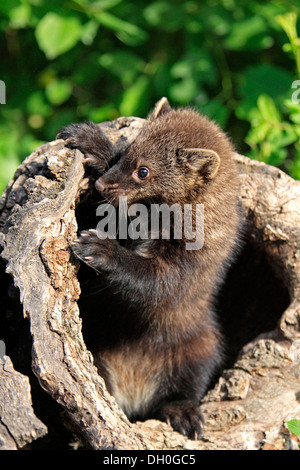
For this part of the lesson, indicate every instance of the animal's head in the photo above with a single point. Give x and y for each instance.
(175, 155)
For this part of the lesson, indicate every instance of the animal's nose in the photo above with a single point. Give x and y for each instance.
(100, 185)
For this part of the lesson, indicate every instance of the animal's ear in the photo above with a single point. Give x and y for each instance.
(161, 107)
(205, 162)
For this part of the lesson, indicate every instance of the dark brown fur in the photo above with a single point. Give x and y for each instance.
(155, 339)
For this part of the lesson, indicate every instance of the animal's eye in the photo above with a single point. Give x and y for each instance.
(143, 172)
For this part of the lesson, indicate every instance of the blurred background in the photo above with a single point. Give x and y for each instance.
(237, 61)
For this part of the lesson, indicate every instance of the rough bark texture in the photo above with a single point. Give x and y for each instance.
(41, 326)
(18, 423)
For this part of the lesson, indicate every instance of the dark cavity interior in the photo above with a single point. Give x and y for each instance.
(252, 299)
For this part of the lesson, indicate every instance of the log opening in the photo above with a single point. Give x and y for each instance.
(251, 301)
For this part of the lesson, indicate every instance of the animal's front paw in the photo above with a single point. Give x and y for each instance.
(91, 141)
(184, 416)
(99, 253)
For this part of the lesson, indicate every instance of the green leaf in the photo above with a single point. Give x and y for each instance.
(102, 4)
(124, 64)
(37, 104)
(156, 12)
(295, 118)
(133, 97)
(58, 91)
(103, 113)
(106, 4)
(294, 426)
(197, 69)
(20, 16)
(184, 91)
(244, 34)
(288, 23)
(277, 157)
(294, 111)
(89, 32)
(127, 32)
(56, 34)
(8, 167)
(294, 167)
(268, 108)
(258, 133)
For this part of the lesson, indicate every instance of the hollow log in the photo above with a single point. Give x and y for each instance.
(68, 406)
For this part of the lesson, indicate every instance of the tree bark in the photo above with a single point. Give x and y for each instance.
(18, 424)
(259, 306)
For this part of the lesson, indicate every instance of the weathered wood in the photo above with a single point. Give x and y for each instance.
(18, 424)
(249, 405)
(36, 248)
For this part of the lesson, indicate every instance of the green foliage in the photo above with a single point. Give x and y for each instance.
(56, 35)
(72, 60)
(294, 426)
(275, 120)
(289, 24)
